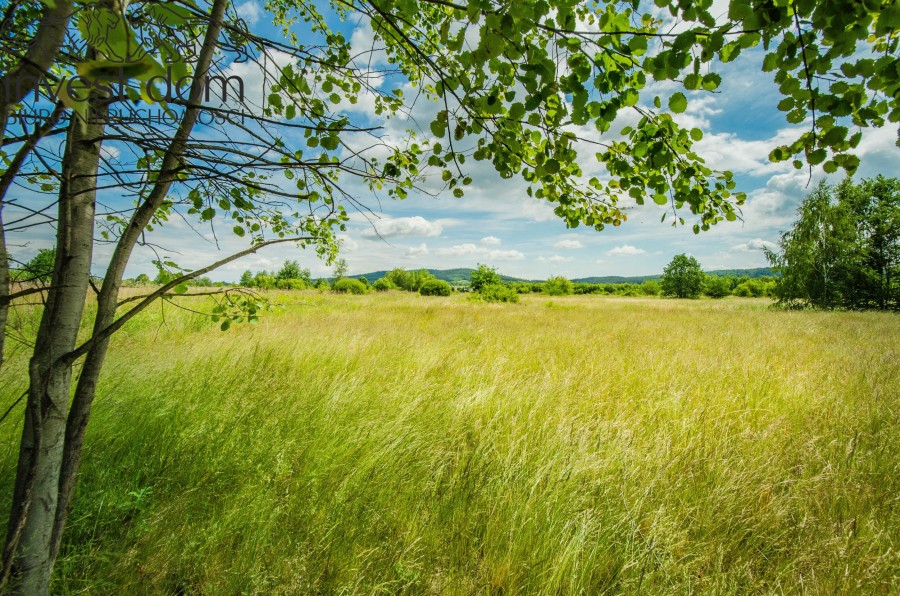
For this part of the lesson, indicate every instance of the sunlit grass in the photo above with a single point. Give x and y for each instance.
(394, 443)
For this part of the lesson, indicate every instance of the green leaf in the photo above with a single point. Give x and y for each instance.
(181, 288)
(711, 81)
(678, 103)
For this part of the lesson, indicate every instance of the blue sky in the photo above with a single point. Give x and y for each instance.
(497, 224)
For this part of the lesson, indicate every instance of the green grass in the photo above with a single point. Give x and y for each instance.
(396, 443)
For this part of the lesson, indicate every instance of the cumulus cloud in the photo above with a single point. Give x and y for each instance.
(490, 241)
(250, 12)
(626, 250)
(555, 259)
(417, 251)
(459, 250)
(472, 250)
(755, 244)
(403, 226)
(504, 255)
(569, 244)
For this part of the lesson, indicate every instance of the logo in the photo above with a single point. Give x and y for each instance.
(145, 56)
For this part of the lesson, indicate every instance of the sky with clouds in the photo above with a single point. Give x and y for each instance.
(498, 224)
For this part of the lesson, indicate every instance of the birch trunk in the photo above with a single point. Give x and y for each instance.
(41, 451)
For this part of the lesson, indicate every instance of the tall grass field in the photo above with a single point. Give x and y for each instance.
(403, 444)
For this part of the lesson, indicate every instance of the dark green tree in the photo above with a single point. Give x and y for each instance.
(683, 277)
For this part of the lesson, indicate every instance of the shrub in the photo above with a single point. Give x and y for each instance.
(484, 276)
(497, 293)
(346, 285)
(750, 288)
(717, 287)
(651, 287)
(384, 284)
(558, 286)
(264, 282)
(291, 284)
(435, 287)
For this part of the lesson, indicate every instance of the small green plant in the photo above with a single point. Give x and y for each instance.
(496, 293)
(346, 285)
(435, 287)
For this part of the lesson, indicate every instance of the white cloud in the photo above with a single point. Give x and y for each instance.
(403, 226)
(490, 241)
(555, 259)
(417, 251)
(250, 12)
(504, 255)
(471, 250)
(755, 244)
(459, 250)
(626, 250)
(569, 243)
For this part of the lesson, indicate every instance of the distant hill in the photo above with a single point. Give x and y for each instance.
(462, 275)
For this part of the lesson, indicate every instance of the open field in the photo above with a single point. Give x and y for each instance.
(394, 443)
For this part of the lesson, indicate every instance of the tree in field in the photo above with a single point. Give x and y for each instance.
(683, 277)
(340, 269)
(246, 280)
(525, 88)
(483, 276)
(293, 270)
(844, 249)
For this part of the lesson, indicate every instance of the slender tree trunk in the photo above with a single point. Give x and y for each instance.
(4, 286)
(107, 301)
(41, 450)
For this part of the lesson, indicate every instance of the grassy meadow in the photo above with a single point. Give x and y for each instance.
(401, 444)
